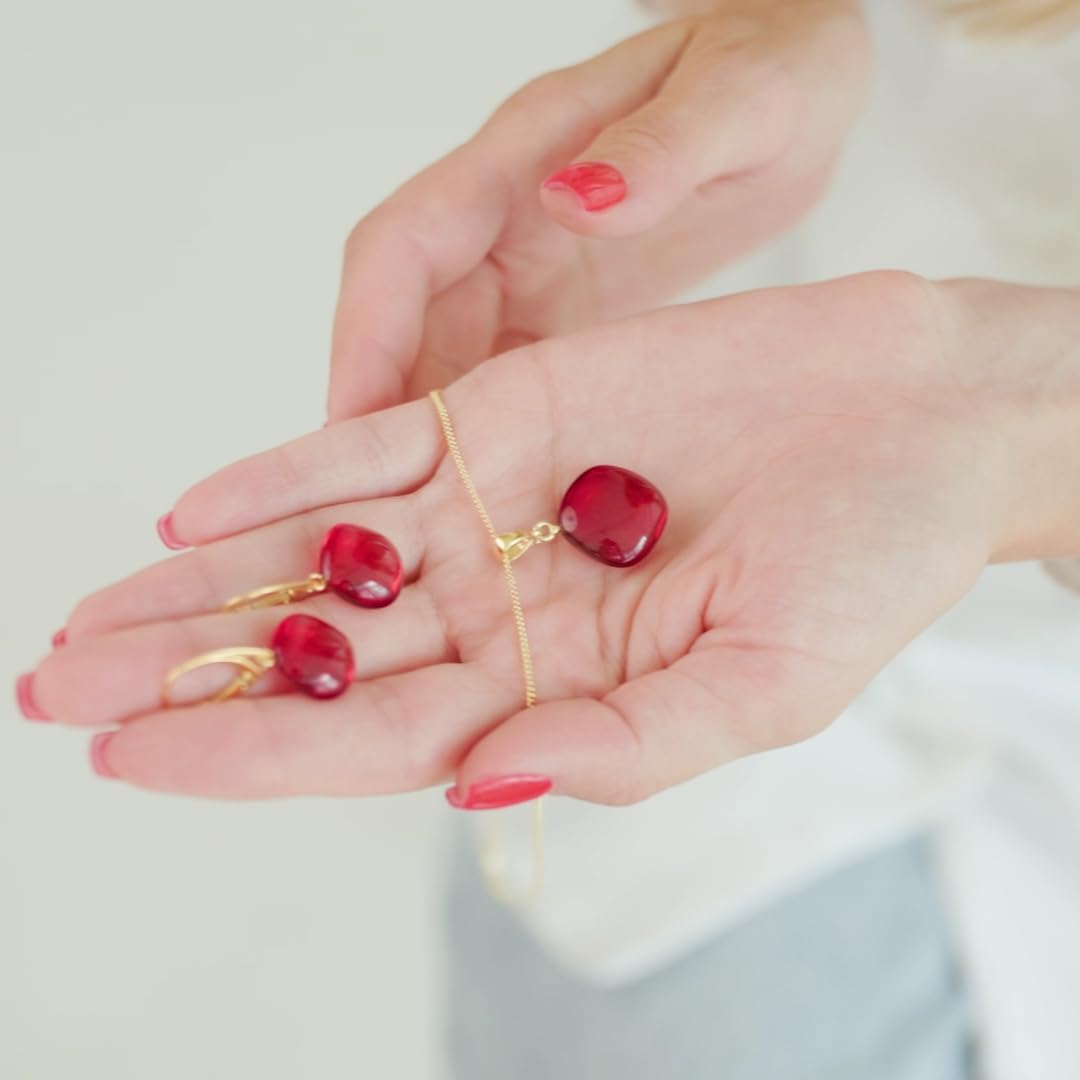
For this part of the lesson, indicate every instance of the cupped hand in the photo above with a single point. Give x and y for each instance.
(833, 487)
(664, 158)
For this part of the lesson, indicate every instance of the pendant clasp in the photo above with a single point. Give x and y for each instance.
(515, 544)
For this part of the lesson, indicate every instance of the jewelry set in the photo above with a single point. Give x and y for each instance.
(610, 513)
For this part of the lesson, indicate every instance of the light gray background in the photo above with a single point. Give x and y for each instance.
(176, 182)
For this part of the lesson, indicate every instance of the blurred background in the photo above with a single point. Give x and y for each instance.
(177, 183)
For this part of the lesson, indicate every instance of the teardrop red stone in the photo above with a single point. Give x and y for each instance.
(312, 654)
(613, 514)
(361, 566)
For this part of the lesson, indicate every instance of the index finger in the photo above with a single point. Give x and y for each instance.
(383, 454)
(425, 237)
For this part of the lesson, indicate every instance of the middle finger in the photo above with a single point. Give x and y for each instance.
(111, 678)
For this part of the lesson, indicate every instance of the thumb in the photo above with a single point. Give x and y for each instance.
(701, 126)
(646, 735)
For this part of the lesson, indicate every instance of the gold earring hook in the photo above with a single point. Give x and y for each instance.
(287, 592)
(252, 660)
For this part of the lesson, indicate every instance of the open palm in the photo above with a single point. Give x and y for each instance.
(830, 496)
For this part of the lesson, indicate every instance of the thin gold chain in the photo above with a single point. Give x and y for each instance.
(504, 557)
(492, 862)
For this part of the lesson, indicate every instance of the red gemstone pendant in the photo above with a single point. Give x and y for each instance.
(361, 566)
(313, 655)
(613, 514)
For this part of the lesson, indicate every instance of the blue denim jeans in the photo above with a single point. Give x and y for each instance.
(852, 978)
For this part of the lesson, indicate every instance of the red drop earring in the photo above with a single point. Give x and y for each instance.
(358, 564)
(310, 653)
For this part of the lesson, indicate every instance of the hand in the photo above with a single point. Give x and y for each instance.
(724, 128)
(839, 469)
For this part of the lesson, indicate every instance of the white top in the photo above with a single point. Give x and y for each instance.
(966, 163)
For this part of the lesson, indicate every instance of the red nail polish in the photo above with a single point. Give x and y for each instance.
(98, 763)
(596, 186)
(167, 533)
(24, 696)
(499, 791)
(59, 639)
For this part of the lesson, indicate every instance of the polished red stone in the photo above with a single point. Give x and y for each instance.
(613, 514)
(313, 655)
(361, 566)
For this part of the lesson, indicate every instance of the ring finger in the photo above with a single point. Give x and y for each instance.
(115, 677)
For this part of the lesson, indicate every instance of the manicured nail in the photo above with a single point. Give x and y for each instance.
(499, 791)
(595, 185)
(59, 639)
(98, 745)
(24, 696)
(168, 534)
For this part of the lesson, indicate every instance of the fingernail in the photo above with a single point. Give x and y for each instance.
(24, 696)
(59, 638)
(98, 745)
(596, 186)
(499, 791)
(168, 534)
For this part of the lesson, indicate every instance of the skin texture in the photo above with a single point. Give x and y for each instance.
(841, 461)
(725, 127)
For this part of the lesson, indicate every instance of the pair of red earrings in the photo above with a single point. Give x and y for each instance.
(359, 565)
(610, 513)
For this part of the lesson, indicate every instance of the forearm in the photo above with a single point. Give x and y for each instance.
(1018, 353)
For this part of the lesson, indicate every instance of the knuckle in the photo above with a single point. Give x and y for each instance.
(374, 450)
(364, 232)
(355, 237)
(775, 729)
(88, 615)
(627, 791)
(556, 97)
(538, 91)
(652, 140)
(628, 784)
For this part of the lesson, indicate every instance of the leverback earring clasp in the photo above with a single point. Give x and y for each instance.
(287, 592)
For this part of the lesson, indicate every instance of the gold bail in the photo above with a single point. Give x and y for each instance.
(252, 660)
(287, 592)
(515, 544)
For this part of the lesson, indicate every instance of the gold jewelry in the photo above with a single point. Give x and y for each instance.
(611, 514)
(252, 661)
(314, 656)
(360, 565)
(507, 547)
(288, 592)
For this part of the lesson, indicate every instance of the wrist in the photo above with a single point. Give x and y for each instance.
(1017, 351)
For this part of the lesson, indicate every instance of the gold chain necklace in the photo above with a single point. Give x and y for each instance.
(507, 547)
